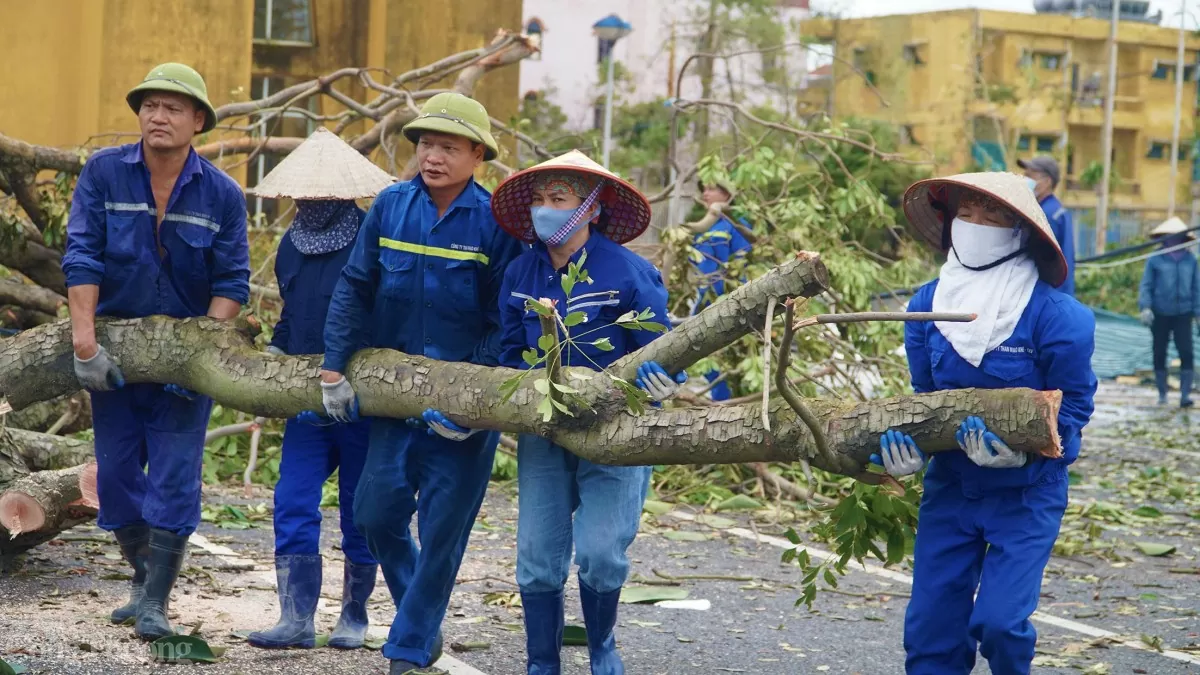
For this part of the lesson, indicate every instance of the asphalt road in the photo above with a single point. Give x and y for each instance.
(1106, 607)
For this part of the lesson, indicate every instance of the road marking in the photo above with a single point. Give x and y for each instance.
(1067, 624)
(227, 555)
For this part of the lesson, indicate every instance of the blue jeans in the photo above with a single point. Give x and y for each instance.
(998, 541)
(149, 449)
(563, 500)
(310, 455)
(443, 483)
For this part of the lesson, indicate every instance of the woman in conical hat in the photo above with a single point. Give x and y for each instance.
(572, 210)
(324, 176)
(989, 515)
(1170, 301)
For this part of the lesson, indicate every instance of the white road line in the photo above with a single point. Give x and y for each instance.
(1067, 624)
(447, 662)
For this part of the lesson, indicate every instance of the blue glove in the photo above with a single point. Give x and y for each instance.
(655, 381)
(180, 392)
(985, 448)
(900, 455)
(440, 425)
(314, 419)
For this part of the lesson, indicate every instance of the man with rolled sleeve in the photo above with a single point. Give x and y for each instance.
(154, 229)
(423, 278)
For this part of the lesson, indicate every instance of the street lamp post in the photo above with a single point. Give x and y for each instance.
(611, 28)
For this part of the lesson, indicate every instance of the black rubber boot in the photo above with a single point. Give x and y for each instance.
(1185, 388)
(166, 559)
(398, 667)
(135, 546)
(1160, 380)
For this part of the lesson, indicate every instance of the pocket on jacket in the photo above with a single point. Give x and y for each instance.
(396, 275)
(120, 238)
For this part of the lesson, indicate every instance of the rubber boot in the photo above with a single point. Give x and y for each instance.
(599, 618)
(357, 583)
(135, 546)
(1185, 388)
(398, 667)
(543, 632)
(1160, 379)
(162, 570)
(298, 578)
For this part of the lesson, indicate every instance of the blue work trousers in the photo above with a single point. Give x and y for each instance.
(310, 455)
(140, 426)
(565, 500)
(443, 482)
(998, 541)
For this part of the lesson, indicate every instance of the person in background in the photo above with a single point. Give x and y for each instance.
(573, 210)
(1169, 301)
(989, 515)
(154, 228)
(1044, 175)
(716, 247)
(423, 278)
(324, 176)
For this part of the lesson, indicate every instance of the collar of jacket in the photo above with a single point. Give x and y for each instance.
(469, 198)
(191, 166)
(593, 241)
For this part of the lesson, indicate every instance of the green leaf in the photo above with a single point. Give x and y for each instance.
(830, 578)
(374, 643)
(715, 521)
(574, 636)
(564, 388)
(574, 319)
(11, 668)
(1155, 550)
(1147, 512)
(739, 503)
(538, 308)
(546, 409)
(546, 343)
(561, 408)
(632, 595)
(531, 357)
(603, 345)
(652, 326)
(568, 283)
(685, 535)
(182, 649)
(626, 317)
(656, 507)
(542, 386)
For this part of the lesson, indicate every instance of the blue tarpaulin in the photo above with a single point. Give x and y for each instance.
(1123, 346)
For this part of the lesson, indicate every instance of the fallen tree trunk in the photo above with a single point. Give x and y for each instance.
(47, 485)
(71, 414)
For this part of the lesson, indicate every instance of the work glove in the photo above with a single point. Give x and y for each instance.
(180, 392)
(1147, 317)
(341, 403)
(312, 418)
(655, 381)
(276, 351)
(898, 454)
(985, 448)
(99, 373)
(440, 425)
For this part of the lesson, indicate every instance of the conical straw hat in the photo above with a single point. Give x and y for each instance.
(1168, 227)
(323, 167)
(926, 205)
(624, 215)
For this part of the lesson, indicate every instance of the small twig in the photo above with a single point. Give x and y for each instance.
(862, 317)
(67, 417)
(476, 580)
(898, 594)
(553, 357)
(766, 392)
(252, 463)
(789, 393)
(701, 577)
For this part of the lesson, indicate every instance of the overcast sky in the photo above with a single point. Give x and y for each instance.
(851, 8)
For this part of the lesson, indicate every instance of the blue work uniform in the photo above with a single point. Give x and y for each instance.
(1064, 232)
(422, 285)
(993, 528)
(716, 247)
(311, 453)
(199, 252)
(555, 487)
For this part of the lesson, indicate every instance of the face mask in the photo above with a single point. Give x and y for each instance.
(549, 223)
(980, 247)
(1032, 184)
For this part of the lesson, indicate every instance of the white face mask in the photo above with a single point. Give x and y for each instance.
(980, 245)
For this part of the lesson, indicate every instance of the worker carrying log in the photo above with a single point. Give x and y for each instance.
(423, 278)
(324, 176)
(989, 515)
(154, 228)
(574, 211)
(1169, 300)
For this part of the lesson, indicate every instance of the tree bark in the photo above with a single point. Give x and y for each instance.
(40, 263)
(40, 417)
(45, 481)
(31, 297)
(219, 360)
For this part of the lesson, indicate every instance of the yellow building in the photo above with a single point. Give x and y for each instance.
(973, 88)
(66, 64)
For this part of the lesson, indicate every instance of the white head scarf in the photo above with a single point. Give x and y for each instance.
(998, 296)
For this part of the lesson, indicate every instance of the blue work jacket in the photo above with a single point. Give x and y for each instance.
(1051, 348)
(1171, 287)
(1064, 232)
(622, 281)
(717, 247)
(306, 284)
(420, 284)
(113, 238)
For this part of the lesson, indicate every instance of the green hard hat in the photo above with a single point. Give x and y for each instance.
(458, 115)
(178, 78)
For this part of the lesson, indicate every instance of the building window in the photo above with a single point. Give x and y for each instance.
(912, 55)
(1162, 150)
(860, 57)
(604, 49)
(1040, 143)
(536, 32)
(598, 116)
(287, 22)
(1043, 60)
(1165, 70)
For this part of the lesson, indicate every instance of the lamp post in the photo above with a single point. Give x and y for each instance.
(610, 29)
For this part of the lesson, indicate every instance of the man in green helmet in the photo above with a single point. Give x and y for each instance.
(423, 278)
(154, 229)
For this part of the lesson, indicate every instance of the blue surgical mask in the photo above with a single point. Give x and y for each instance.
(1032, 184)
(548, 221)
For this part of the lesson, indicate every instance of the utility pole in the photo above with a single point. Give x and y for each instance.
(1178, 112)
(1102, 206)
